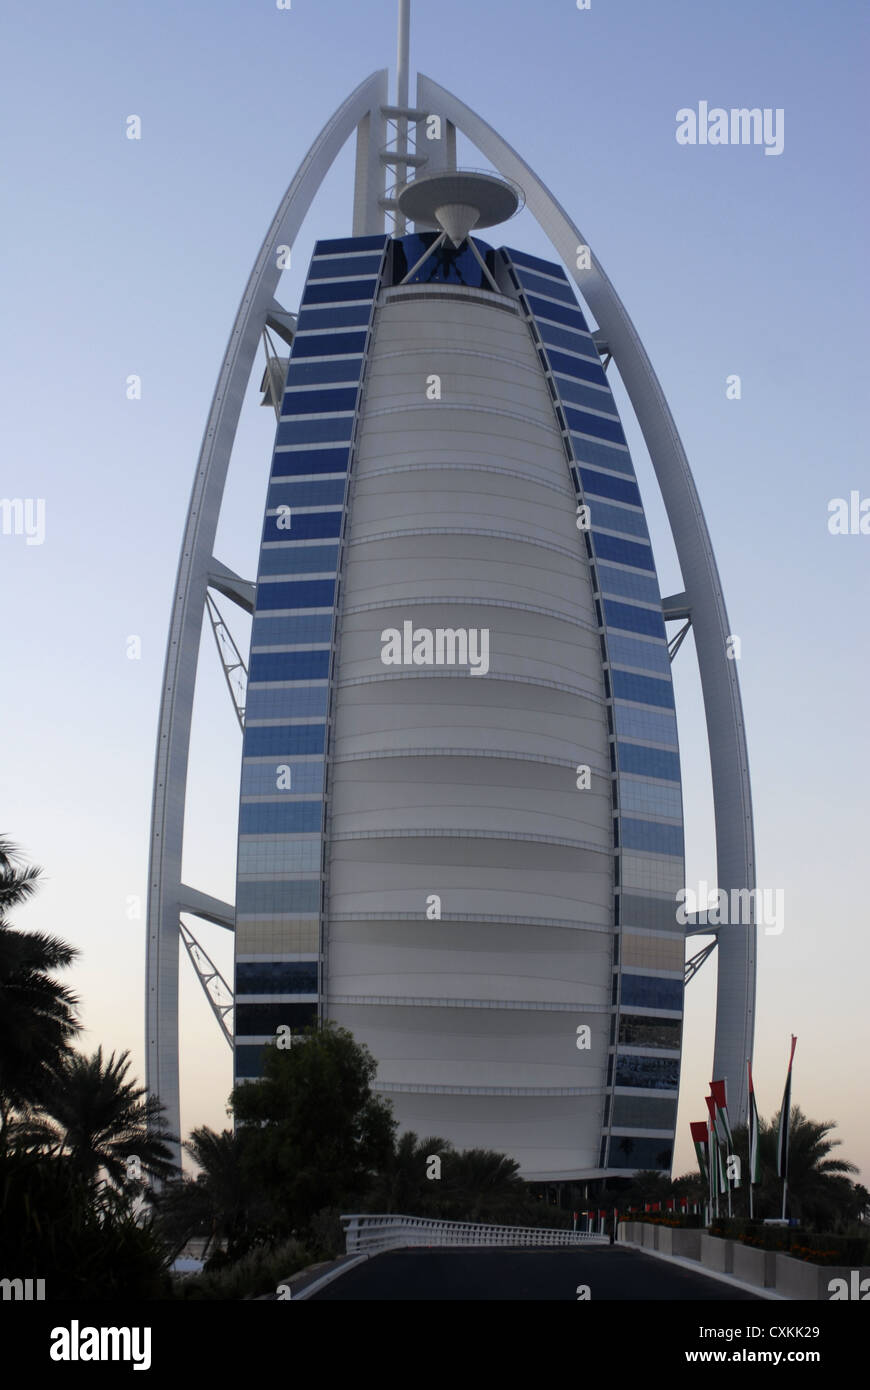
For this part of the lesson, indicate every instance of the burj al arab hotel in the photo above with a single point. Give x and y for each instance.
(460, 823)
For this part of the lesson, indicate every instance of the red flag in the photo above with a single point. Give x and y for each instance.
(670, 1204)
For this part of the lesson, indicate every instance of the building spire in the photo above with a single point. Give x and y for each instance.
(404, 53)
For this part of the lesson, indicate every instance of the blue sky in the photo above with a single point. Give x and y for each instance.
(125, 257)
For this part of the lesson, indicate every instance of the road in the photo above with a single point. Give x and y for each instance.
(610, 1272)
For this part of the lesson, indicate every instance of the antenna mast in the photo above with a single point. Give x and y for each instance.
(403, 62)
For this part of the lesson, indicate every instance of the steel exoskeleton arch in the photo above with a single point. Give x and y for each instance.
(167, 897)
(735, 845)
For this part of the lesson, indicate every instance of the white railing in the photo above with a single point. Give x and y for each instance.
(366, 1234)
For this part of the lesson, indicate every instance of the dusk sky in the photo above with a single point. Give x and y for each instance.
(128, 257)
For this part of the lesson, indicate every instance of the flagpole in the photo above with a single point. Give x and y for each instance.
(749, 1099)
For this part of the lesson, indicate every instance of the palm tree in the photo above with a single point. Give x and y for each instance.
(222, 1196)
(105, 1121)
(819, 1190)
(37, 1013)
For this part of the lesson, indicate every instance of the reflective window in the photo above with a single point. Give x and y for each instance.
(280, 817)
(289, 666)
(649, 798)
(606, 455)
(332, 429)
(284, 742)
(449, 265)
(339, 291)
(261, 779)
(304, 630)
(339, 246)
(644, 1112)
(624, 552)
(584, 422)
(293, 854)
(641, 1154)
(582, 367)
(649, 1073)
(536, 284)
(303, 462)
(630, 651)
(651, 836)
(571, 341)
(580, 393)
(299, 559)
(345, 370)
(650, 992)
(304, 526)
(651, 873)
(270, 899)
(335, 266)
(637, 1031)
(608, 518)
(328, 493)
(276, 977)
(626, 584)
(656, 914)
(258, 1020)
(296, 702)
(645, 725)
(310, 593)
(544, 309)
(318, 402)
(248, 1062)
(327, 345)
(602, 485)
(346, 316)
(628, 616)
(645, 690)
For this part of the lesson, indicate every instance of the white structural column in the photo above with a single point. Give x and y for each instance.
(735, 848)
(166, 895)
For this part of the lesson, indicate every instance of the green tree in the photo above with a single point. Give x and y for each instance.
(314, 1133)
(820, 1192)
(37, 1013)
(104, 1121)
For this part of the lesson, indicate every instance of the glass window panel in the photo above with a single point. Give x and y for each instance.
(644, 1112)
(651, 873)
(299, 559)
(646, 725)
(656, 914)
(278, 742)
(346, 371)
(629, 651)
(649, 798)
(522, 258)
(327, 493)
(279, 856)
(305, 629)
(639, 1154)
(627, 585)
(625, 615)
(294, 702)
(338, 292)
(258, 1020)
(636, 1030)
(581, 393)
(304, 526)
(582, 367)
(269, 899)
(624, 552)
(327, 345)
(556, 289)
(289, 666)
(319, 402)
(331, 430)
(276, 977)
(346, 316)
(543, 309)
(606, 455)
(330, 268)
(572, 341)
(339, 246)
(280, 818)
(651, 836)
(650, 992)
(303, 593)
(301, 462)
(644, 690)
(584, 422)
(597, 484)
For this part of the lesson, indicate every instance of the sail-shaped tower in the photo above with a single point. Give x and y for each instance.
(460, 818)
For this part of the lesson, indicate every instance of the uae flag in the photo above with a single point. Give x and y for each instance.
(719, 1092)
(699, 1139)
(754, 1148)
(717, 1167)
(784, 1115)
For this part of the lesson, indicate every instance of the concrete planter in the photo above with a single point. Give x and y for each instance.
(665, 1241)
(797, 1279)
(716, 1253)
(649, 1236)
(686, 1244)
(753, 1266)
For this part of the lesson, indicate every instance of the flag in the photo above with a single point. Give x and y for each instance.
(723, 1129)
(717, 1168)
(699, 1139)
(754, 1149)
(784, 1117)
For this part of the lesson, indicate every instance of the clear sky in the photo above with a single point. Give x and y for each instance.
(129, 257)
